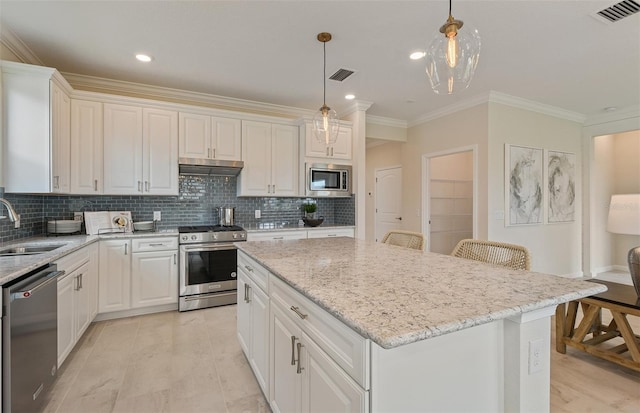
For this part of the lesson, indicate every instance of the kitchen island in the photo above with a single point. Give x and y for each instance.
(441, 333)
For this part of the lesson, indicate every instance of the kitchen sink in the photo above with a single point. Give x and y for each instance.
(28, 250)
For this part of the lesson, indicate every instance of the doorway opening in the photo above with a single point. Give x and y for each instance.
(449, 198)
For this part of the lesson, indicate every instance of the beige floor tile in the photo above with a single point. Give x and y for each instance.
(254, 403)
(98, 402)
(154, 402)
(236, 377)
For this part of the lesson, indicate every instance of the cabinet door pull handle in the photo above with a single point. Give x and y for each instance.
(274, 188)
(126, 246)
(246, 293)
(208, 152)
(332, 235)
(77, 281)
(278, 237)
(139, 186)
(81, 281)
(250, 269)
(214, 153)
(293, 350)
(175, 259)
(95, 185)
(299, 369)
(297, 311)
(156, 244)
(146, 186)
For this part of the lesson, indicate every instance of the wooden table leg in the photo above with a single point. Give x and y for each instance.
(561, 347)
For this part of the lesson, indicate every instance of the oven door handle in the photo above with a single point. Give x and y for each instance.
(214, 247)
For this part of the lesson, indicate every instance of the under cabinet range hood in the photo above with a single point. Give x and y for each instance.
(212, 167)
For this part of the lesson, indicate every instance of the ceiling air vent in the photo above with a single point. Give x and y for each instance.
(619, 11)
(341, 74)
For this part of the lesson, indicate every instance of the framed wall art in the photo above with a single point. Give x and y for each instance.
(524, 185)
(561, 186)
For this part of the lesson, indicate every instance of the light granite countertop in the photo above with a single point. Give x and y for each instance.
(397, 296)
(15, 266)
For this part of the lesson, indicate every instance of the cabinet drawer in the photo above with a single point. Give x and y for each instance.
(347, 348)
(328, 233)
(256, 272)
(72, 261)
(154, 244)
(276, 235)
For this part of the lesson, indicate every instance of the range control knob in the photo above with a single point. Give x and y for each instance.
(215, 236)
(235, 236)
(194, 237)
(184, 238)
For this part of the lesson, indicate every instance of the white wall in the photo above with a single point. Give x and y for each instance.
(626, 161)
(554, 248)
(378, 157)
(458, 130)
(602, 186)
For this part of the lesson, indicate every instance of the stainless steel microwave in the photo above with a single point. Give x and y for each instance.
(329, 180)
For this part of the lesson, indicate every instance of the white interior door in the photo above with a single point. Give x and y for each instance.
(388, 201)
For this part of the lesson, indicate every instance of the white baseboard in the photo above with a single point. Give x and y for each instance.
(578, 274)
(136, 311)
(623, 268)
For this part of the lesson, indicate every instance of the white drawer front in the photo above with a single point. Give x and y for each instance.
(72, 261)
(276, 235)
(347, 348)
(253, 270)
(154, 244)
(329, 233)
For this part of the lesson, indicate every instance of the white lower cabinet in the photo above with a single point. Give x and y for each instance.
(330, 233)
(154, 279)
(304, 378)
(138, 273)
(304, 359)
(253, 328)
(77, 298)
(115, 275)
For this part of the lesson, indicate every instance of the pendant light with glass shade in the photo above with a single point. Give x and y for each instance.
(326, 124)
(452, 58)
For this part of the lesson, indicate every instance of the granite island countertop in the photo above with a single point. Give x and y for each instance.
(397, 296)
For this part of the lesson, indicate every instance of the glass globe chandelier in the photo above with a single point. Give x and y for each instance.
(326, 124)
(452, 58)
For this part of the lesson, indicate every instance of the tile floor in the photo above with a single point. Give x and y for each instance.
(191, 362)
(164, 362)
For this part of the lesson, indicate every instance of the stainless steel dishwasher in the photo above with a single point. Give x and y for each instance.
(29, 339)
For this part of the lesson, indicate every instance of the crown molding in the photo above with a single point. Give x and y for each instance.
(357, 106)
(382, 121)
(164, 93)
(503, 99)
(629, 112)
(530, 105)
(450, 109)
(12, 42)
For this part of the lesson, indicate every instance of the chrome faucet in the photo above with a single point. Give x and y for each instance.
(12, 214)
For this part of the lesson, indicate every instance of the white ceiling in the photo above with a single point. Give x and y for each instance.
(552, 52)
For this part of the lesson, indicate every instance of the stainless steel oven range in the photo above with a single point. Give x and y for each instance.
(208, 265)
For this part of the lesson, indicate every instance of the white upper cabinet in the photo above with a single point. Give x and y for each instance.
(341, 149)
(86, 147)
(36, 117)
(140, 151)
(208, 137)
(160, 152)
(270, 154)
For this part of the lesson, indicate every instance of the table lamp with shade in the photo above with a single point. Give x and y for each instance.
(624, 218)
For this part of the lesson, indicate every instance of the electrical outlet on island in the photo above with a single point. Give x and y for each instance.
(157, 216)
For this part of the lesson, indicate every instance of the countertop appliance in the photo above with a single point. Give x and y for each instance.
(29, 339)
(227, 216)
(328, 180)
(208, 265)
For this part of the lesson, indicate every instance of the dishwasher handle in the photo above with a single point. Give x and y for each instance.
(28, 290)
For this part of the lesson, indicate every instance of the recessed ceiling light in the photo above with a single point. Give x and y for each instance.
(417, 55)
(350, 96)
(143, 58)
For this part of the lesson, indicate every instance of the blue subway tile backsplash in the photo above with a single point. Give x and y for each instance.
(198, 198)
